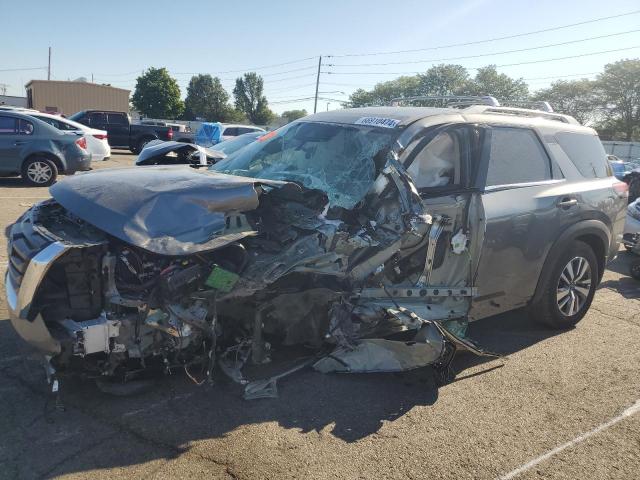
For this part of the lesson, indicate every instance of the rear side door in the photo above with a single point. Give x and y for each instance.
(11, 143)
(527, 204)
(118, 128)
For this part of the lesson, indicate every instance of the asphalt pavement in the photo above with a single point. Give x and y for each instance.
(559, 405)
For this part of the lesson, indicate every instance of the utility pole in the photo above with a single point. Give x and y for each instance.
(49, 66)
(315, 104)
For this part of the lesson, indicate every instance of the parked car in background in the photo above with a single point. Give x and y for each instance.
(618, 166)
(176, 152)
(97, 143)
(234, 144)
(231, 130)
(158, 152)
(121, 132)
(38, 151)
(632, 178)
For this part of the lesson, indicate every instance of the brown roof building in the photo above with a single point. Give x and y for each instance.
(70, 97)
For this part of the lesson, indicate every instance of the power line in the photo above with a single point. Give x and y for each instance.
(539, 47)
(487, 40)
(22, 69)
(262, 75)
(295, 87)
(503, 65)
(267, 66)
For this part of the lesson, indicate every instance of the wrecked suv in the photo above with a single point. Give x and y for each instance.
(372, 235)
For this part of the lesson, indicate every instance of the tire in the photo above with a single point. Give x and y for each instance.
(141, 144)
(634, 270)
(566, 298)
(39, 171)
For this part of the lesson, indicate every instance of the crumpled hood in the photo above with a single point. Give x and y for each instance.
(170, 210)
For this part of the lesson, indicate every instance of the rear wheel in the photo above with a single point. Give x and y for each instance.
(569, 288)
(141, 144)
(39, 171)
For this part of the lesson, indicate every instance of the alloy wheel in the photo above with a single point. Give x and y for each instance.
(39, 172)
(574, 286)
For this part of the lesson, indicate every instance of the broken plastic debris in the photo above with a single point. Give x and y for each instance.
(459, 243)
(268, 388)
(221, 279)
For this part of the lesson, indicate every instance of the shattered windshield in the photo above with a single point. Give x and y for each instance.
(335, 158)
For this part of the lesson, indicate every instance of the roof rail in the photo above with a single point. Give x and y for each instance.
(449, 100)
(533, 104)
(521, 112)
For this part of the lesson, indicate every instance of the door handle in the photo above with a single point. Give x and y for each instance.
(17, 143)
(567, 202)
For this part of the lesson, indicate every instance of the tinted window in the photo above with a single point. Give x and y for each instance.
(97, 119)
(241, 130)
(58, 124)
(25, 127)
(586, 152)
(7, 125)
(79, 117)
(516, 157)
(230, 132)
(117, 119)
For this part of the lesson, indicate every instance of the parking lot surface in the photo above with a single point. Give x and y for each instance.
(559, 405)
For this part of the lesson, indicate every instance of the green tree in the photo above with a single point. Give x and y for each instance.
(157, 95)
(444, 79)
(291, 115)
(619, 86)
(250, 100)
(499, 85)
(579, 98)
(206, 98)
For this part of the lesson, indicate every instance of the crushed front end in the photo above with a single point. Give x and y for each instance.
(203, 272)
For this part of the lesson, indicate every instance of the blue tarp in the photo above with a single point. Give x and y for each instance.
(209, 134)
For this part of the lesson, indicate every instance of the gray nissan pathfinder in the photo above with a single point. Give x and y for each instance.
(373, 235)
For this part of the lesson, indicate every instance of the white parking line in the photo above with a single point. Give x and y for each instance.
(24, 198)
(632, 410)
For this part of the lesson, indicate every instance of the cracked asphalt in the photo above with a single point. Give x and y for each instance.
(551, 388)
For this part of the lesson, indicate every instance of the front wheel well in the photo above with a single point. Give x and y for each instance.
(48, 155)
(598, 247)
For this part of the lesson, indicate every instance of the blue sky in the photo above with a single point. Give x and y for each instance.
(116, 40)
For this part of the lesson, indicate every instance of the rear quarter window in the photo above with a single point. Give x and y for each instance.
(116, 119)
(516, 157)
(586, 152)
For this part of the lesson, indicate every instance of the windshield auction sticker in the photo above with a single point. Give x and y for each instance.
(378, 122)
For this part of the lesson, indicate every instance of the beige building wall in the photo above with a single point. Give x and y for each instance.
(71, 97)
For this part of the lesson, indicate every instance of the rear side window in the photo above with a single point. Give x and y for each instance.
(58, 124)
(242, 130)
(230, 132)
(116, 119)
(25, 127)
(516, 157)
(8, 126)
(586, 152)
(97, 119)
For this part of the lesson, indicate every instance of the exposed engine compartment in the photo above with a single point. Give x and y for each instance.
(357, 283)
